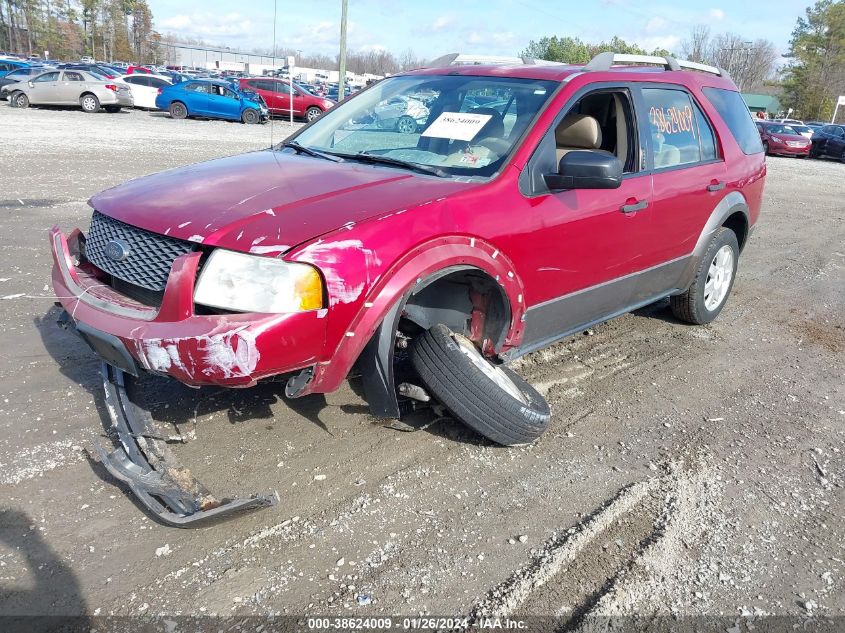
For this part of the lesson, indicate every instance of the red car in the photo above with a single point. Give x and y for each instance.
(533, 202)
(137, 69)
(276, 93)
(781, 139)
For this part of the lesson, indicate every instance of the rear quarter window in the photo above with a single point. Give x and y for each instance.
(737, 117)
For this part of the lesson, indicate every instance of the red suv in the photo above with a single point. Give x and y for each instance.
(533, 202)
(276, 93)
(780, 138)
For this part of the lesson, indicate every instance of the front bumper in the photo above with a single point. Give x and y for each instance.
(232, 350)
(786, 150)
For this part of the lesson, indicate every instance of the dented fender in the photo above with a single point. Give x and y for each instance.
(344, 344)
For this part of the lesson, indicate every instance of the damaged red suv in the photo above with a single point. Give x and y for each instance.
(534, 202)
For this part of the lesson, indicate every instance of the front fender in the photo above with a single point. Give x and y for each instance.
(414, 268)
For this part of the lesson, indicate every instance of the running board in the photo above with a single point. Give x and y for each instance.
(145, 464)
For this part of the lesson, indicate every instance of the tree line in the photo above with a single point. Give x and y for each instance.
(69, 29)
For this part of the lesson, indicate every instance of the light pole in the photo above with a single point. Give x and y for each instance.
(341, 82)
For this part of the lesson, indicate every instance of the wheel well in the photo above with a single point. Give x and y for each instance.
(87, 92)
(467, 300)
(738, 223)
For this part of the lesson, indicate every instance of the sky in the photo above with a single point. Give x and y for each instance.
(497, 27)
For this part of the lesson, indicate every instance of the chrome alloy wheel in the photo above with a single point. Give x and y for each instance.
(719, 278)
(490, 370)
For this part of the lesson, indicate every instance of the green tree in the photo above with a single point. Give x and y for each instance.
(816, 73)
(573, 50)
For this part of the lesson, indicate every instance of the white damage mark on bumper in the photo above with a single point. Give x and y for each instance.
(232, 354)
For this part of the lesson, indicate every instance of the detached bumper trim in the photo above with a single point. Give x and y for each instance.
(145, 464)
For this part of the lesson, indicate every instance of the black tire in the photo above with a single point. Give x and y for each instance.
(842, 156)
(178, 110)
(19, 100)
(406, 124)
(472, 396)
(250, 116)
(766, 148)
(89, 103)
(690, 306)
(313, 113)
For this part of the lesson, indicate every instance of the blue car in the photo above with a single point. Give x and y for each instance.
(8, 65)
(212, 100)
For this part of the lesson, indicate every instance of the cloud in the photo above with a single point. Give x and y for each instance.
(717, 15)
(655, 24)
(209, 25)
(670, 43)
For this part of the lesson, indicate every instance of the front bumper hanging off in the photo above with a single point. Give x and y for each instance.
(145, 464)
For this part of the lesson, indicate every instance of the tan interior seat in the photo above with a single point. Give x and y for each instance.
(577, 132)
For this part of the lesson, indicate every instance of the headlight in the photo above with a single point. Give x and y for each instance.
(248, 283)
(777, 139)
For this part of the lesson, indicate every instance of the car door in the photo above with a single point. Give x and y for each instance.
(45, 88)
(195, 96)
(689, 173)
(69, 87)
(280, 97)
(223, 102)
(579, 258)
(835, 145)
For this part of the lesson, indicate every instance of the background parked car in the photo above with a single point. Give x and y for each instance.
(145, 88)
(401, 113)
(779, 138)
(103, 72)
(276, 94)
(8, 65)
(70, 87)
(213, 100)
(829, 140)
(21, 74)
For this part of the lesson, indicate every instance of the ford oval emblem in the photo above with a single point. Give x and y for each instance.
(118, 250)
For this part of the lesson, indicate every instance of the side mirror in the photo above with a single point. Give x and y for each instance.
(583, 169)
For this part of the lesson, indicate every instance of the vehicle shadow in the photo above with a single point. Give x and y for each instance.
(169, 401)
(45, 594)
(660, 311)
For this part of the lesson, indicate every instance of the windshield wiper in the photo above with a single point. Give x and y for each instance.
(301, 149)
(366, 157)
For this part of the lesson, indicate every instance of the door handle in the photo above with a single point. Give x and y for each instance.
(633, 207)
(716, 186)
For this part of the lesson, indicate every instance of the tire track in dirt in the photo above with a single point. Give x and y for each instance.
(613, 562)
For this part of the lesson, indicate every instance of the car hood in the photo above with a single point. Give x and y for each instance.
(266, 201)
(789, 137)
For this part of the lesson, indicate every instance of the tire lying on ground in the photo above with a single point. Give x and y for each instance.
(491, 399)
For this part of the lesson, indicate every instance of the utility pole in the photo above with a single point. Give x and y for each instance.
(341, 82)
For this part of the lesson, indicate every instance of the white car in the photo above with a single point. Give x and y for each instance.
(145, 87)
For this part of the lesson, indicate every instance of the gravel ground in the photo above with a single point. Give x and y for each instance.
(687, 471)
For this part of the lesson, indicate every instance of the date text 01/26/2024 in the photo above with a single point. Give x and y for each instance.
(413, 623)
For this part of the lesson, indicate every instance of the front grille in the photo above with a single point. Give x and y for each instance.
(150, 255)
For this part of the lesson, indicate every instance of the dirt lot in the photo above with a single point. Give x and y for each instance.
(687, 470)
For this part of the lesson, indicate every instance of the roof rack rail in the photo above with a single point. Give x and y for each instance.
(461, 59)
(605, 61)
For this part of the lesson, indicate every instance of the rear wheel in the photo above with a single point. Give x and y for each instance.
(89, 103)
(842, 156)
(19, 100)
(714, 279)
(178, 110)
(406, 124)
(490, 399)
(250, 116)
(312, 113)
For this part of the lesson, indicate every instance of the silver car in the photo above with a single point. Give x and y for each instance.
(70, 87)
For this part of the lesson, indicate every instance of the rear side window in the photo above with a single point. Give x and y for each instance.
(672, 124)
(735, 113)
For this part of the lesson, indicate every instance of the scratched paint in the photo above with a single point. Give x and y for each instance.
(353, 256)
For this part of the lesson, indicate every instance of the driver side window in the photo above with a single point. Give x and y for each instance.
(600, 122)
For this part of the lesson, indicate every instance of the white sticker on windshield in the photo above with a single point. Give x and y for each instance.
(458, 126)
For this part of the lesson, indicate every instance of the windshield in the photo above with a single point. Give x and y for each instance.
(781, 129)
(801, 129)
(463, 125)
